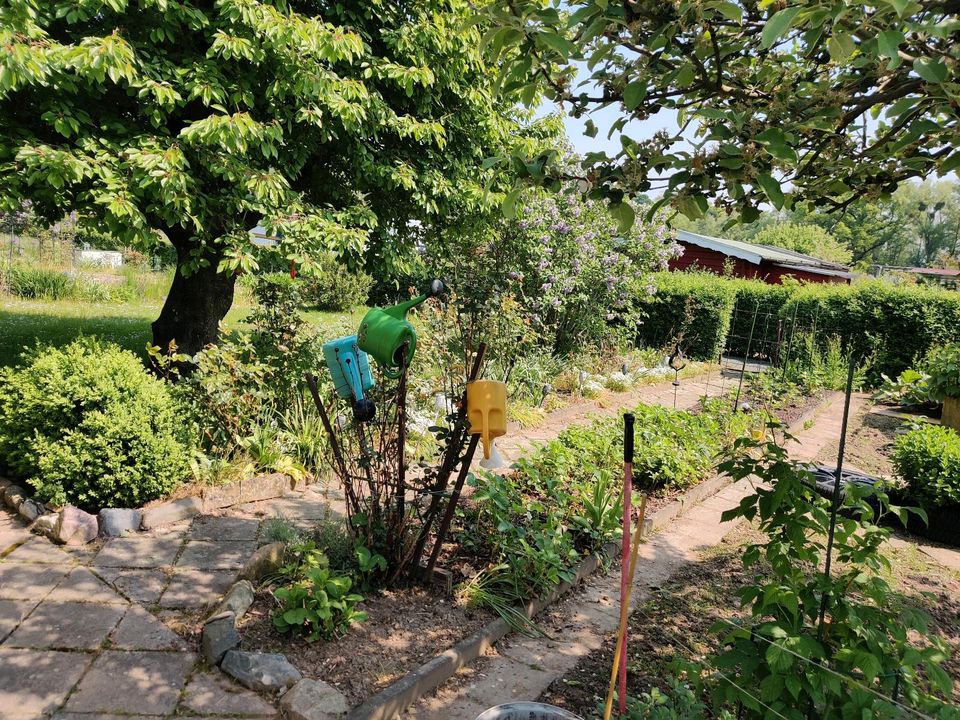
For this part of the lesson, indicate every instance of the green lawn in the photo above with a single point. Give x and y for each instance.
(25, 322)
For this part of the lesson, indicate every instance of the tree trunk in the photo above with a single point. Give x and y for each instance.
(194, 307)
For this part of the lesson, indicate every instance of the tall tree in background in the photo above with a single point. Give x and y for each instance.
(814, 103)
(336, 124)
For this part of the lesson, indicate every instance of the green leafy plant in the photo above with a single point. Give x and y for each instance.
(834, 646)
(928, 459)
(86, 424)
(679, 702)
(280, 529)
(600, 514)
(370, 565)
(333, 286)
(321, 605)
(943, 366)
(911, 388)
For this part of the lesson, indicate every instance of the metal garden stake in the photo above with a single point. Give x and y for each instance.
(628, 421)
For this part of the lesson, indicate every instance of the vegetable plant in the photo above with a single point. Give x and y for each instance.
(321, 605)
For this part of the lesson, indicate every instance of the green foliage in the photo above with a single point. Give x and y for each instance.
(680, 702)
(279, 529)
(33, 283)
(807, 239)
(320, 605)
(886, 325)
(692, 309)
(238, 389)
(533, 524)
(779, 93)
(943, 367)
(822, 365)
(909, 389)
(928, 459)
(789, 665)
(334, 286)
(86, 424)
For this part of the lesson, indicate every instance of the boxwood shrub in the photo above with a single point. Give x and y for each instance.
(928, 460)
(86, 424)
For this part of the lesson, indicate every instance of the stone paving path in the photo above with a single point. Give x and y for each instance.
(85, 632)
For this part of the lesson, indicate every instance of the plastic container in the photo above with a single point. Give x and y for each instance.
(526, 711)
(487, 411)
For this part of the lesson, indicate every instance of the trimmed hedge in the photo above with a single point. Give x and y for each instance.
(693, 309)
(889, 325)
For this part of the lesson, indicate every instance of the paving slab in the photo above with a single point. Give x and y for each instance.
(42, 551)
(12, 535)
(66, 626)
(192, 588)
(142, 586)
(208, 555)
(214, 693)
(12, 613)
(132, 682)
(140, 630)
(139, 552)
(81, 585)
(224, 528)
(33, 682)
(29, 581)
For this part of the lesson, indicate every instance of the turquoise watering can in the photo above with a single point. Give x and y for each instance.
(389, 337)
(350, 370)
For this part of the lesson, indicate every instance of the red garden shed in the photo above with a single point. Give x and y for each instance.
(761, 262)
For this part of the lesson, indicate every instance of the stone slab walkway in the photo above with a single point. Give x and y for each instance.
(85, 633)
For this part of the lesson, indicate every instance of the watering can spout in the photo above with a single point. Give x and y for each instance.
(389, 337)
(400, 310)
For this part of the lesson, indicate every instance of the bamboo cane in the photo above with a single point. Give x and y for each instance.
(624, 610)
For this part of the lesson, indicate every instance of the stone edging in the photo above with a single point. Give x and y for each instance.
(72, 526)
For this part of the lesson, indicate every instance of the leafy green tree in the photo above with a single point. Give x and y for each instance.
(808, 239)
(802, 102)
(334, 124)
(933, 211)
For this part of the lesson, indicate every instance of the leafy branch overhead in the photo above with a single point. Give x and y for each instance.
(200, 120)
(792, 103)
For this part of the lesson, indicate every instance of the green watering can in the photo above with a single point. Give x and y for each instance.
(387, 335)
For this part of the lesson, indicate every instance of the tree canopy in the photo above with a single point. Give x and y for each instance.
(811, 103)
(336, 125)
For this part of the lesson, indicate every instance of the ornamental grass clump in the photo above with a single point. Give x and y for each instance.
(86, 424)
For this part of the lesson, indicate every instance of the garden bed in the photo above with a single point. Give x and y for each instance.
(405, 628)
(674, 624)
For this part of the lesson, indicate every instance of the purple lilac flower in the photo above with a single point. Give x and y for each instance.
(546, 286)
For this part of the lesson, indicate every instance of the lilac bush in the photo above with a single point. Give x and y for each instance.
(574, 272)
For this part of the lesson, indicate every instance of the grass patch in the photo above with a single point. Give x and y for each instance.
(23, 323)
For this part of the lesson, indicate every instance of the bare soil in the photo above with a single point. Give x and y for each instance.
(674, 625)
(405, 628)
(870, 439)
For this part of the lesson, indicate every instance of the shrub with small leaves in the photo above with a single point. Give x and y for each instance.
(86, 424)
(928, 459)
